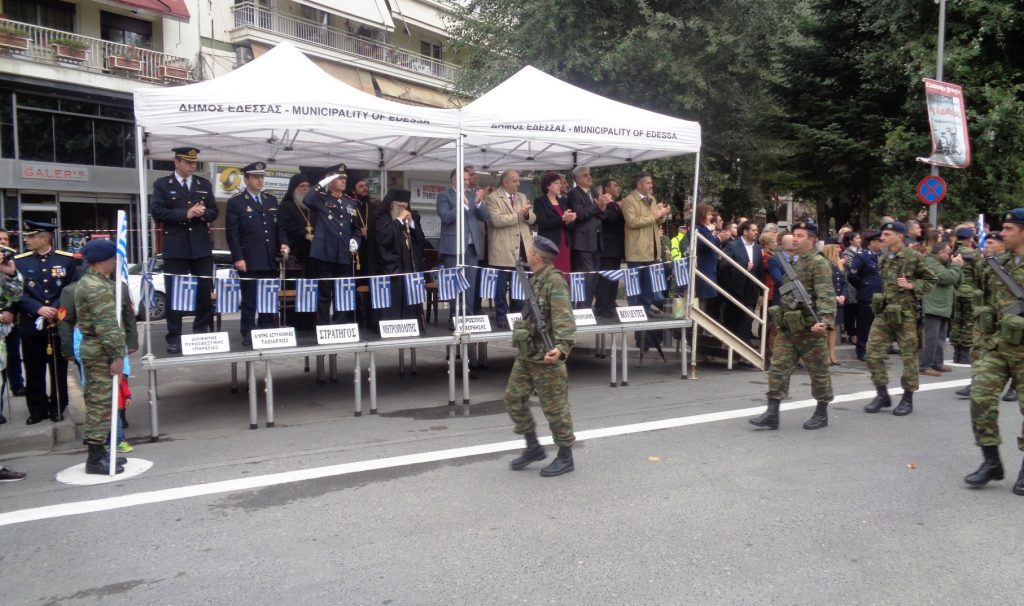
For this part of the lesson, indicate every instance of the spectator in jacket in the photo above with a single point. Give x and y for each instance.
(851, 246)
(613, 249)
(474, 217)
(643, 215)
(586, 229)
(835, 259)
(938, 308)
(510, 215)
(746, 252)
(555, 219)
(707, 260)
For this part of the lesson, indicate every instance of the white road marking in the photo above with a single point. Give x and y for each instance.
(300, 475)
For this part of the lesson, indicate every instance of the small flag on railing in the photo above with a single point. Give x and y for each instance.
(517, 287)
(577, 287)
(681, 271)
(632, 276)
(229, 293)
(488, 283)
(183, 293)
(344, 294)
(268, 300)
(611, 274)
(450, 282)
(380, 291)
(415, 289)
(657, 274)
(306, 292)
(148, 291)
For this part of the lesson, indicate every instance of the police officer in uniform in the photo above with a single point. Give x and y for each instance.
(999, 350)
(183, 202)
(866, 278)
(46, 272)
(255, 236)
(335, 238)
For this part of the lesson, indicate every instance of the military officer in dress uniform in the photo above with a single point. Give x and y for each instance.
(183, 202)
(335, 237)
(46, 272)
(255, 236)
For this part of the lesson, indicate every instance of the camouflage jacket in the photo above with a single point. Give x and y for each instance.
(972, 264)
(992, 297)
(815, 272)
(97, 315)
(552, 295)
(909, 264)
(66, 327)
(10, 292)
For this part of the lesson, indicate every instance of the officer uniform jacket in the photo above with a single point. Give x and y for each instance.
(865, 276)
(333, 226)
(184, 238)
(643, 240)
(45, 276)
(586, 229)
(255, 231)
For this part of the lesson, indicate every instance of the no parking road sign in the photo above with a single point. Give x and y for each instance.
(931, 190)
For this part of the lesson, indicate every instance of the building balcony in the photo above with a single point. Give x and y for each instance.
(62, 49)
(252, 19)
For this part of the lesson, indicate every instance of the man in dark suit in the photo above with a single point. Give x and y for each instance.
(255, 236)
(474, 215)
(183, 202)
(746, 252)
(613, 248)
(586, 229)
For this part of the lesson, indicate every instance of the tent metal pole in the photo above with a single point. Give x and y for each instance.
(692, 288)
(140, 162)
(460, 222)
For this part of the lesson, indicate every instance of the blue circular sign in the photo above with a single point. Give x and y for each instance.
(931, 189)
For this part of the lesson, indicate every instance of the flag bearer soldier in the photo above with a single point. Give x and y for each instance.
(183, 202)
(335, 238)
(898, 317)
(999, 348)
(255, 236)
(46, 272)
(800, 337)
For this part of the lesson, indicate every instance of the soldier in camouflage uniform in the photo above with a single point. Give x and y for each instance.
(799, 336)
(10, 292)
(999, 345)
(536, 368)
(102, 349)
(963, 313)
(898, 317)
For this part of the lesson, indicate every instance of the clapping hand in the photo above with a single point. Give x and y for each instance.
(568, 216)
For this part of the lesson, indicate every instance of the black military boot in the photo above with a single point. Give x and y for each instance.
(1011, 393)
(906, 405)
(819, 419)
(770, 418)
(882, 400)
(534, 452)
(99, 462)
(965, 391)
(562, 463)
(991, 468)
(1018, 488)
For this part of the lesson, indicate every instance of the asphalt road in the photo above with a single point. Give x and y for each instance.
(871, 510)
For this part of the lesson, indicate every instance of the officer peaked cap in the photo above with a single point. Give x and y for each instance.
(807, 226)
(98, 250)
(869, 236)
(895, 226)
(544, 245)
(32, 228)
(338, 170)
(187, 153)
(1014, 216)
(256, 168)
(831, 241)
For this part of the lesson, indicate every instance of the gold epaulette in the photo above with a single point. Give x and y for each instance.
(24, 254)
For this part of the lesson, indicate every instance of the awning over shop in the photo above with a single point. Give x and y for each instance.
(423, 14)
(407, 92)
(174, 9)
(370, 12)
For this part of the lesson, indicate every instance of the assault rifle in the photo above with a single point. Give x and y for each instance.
(1015, 309)
(794, 285)
(533, 310)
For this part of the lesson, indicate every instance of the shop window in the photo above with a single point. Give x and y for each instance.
(73, 139)
(115, 144)
(126, 30)
(36, 142)
(6, 124)
(74, 132)
(46, 13)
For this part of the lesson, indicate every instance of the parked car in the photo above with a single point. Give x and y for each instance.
(222, 265)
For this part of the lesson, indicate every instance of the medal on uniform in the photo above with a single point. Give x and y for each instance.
(248, 209)
(330, 217)
(31, 284)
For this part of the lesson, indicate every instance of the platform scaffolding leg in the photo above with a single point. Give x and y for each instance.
(234, 377)
(481, 355)
(250, 373)
(412, 361)
(401, 362)
(334, 368)
(305, 367)
(465, 379)
(682, 354)
(154, 421)
(625, 361)
(320, 370)
(597, 345)
(615, 364)
(451, 375)
(357, 385)
(373, 382)
(268, 383)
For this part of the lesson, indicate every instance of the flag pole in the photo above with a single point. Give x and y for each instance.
(120, 270)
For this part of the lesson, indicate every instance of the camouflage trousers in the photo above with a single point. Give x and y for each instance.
(98, 387)
(962, 324)
(883, 333)
(813, 350)
(989, 374)
(552, 384)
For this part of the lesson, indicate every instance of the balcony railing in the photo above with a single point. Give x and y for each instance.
(251, 15)
(42, 44)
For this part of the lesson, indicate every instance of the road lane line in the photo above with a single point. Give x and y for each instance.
(301, 475)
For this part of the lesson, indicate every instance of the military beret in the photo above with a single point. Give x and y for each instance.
(807, 226)
(256, 168)
(895, 226)
(32, 228)
(832, 241)
(187, 153)
(98, 250)
(964, 232)
(870, 235)
(1014, 216)
(544, 245)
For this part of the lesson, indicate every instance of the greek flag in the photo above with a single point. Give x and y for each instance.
(488, 283)
(229, 293)
(268, 300)
(148, 292)
(517, 287)
(183, 293)
(611, 274)
(982, 234)
(380, 291)
(122, 245)
(577, 287)
(632, 276)
(415, 289)
(345, 294)
(451, 282)
(658, 280)
(306, 292)
(681, 271)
